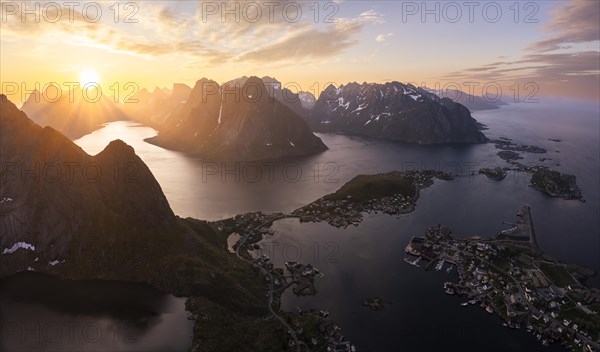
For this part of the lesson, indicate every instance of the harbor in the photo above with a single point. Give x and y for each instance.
(510, 277)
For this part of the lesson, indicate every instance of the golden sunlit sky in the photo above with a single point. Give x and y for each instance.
(554, 44)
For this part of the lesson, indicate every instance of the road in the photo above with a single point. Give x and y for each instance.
(299, 343)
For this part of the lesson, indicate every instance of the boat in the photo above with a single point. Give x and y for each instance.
(439, 265)
(489, 309)
(472, 301)
(464, 304)
(414, 262)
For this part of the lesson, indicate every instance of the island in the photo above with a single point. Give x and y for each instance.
(391, 193)
(509, 155)
(507, 144)
(551, 182)
(374, 303)
(555, 184)
(496, 174)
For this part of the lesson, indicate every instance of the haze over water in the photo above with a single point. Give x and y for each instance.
(470, 205)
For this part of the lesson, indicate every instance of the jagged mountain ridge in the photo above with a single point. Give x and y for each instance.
(394, 111)
(240, 120)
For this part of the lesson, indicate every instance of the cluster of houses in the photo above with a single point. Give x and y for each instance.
(511, 284)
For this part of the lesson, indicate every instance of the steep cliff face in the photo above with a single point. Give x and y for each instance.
(394, 111)
(239, 121)
(188, 126)
(65, 212)
(58, 190)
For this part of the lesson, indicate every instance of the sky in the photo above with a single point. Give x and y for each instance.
(525, 50)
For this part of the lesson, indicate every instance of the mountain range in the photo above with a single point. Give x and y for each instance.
(394, 111)
(251, 118)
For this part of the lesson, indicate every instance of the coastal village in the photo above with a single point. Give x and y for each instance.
(507, 275)
(393, 193)
(510, 277)
(310, 330)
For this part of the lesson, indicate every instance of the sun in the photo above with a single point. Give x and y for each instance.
(89, 77)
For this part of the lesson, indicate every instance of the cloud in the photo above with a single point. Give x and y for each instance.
(254, 36)
(312, 43)
(574, 22)
(382, 37)
(553, 63)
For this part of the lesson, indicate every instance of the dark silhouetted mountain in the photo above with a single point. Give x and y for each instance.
(74, 113)
(240, 120)
(393, 111)
(65, 212)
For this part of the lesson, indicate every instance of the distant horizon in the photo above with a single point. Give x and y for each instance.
(551, 44)
(507, 93)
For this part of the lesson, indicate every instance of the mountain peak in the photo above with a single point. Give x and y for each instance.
(118, 148)
(203, 81)
(8, 110)
(255, 87)
(4, 100)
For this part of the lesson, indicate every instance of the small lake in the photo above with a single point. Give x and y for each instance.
(40, 312)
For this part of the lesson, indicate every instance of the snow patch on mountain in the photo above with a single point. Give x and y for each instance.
(23, 245)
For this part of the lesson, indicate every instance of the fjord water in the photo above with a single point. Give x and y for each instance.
(370, 256)
(40, 312)
(471, 205)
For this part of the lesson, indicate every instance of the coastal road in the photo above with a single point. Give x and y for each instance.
(299, 343)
